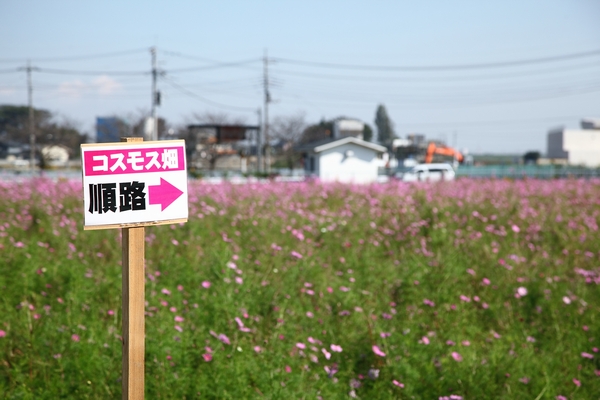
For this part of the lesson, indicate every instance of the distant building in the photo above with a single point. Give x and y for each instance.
(349, 159)
(347, 127)
(55, 155)
(107, 130)
(576, 146)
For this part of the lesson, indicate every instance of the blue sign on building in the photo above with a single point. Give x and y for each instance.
(107, 130)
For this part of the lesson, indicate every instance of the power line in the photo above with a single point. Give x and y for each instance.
(204, 99)
(495, 122)
(501, 64)
(430, 79)
(81, 72)
(78, 57)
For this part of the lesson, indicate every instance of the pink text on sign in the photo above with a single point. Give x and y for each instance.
(134, 161)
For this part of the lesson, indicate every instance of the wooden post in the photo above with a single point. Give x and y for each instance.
(133, 243)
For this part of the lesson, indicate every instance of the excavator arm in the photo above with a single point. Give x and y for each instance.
(432, 150)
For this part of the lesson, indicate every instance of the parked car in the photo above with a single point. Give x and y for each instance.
(427, 173)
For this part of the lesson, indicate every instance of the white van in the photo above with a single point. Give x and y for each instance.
(428, 173)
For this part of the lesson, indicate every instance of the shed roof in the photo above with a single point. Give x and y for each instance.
(323, 145)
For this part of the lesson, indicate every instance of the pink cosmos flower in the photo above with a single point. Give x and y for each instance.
(309, 314)
(385, 334)
(179, 319)
(531, 339)
(457, 357)
(428, 302)
(450, 343)
(239, 280)
(110, 312)
(576, 382)
(75, 338)
(400, 385)
(326, 354)
(486, 281)
(522, 291)
(336, 348)
(471, 272)
(257, 349)
(166, 291)
(466, 343)
(587, 355)
(378, 351)
(207, 357)
(301, 346)
(465, 298)
(296, 254)
(516, 229)
(288, 369)
(2, 333)
(425, 340)
(566, 300)
(206, 284)
(179, 287)
(178, 328)
(330, 289)
(223, 338)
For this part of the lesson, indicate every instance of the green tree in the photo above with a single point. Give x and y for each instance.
(367, 133)
(385, 126)
(320, 131)
(14, 126)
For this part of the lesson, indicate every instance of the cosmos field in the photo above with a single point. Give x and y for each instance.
(473, 289)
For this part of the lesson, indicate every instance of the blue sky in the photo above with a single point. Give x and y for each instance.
(326, 61)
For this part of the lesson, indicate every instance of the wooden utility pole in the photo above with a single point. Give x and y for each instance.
(133, 243)
(31, 118)
(155, 95)
(266, 123)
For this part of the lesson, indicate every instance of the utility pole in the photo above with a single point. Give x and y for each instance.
(259, 143)
(266, 123)
(31, 119)
(155, 95)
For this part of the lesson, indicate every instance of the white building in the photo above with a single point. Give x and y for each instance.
(349, 159)
(344, 127)
(576, 146)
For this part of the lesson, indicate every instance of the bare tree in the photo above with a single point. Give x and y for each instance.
(289, 130)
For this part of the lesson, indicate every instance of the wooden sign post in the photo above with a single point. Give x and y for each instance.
(125, 187)
(134, 328)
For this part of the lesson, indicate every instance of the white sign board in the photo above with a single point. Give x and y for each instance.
(134, 184)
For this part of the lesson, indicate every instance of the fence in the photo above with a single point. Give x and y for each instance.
(526, 171)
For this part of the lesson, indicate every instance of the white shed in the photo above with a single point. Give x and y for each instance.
(345, 160)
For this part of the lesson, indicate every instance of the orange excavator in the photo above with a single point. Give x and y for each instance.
(434, 149)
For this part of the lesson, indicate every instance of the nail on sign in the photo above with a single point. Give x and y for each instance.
(140, 183)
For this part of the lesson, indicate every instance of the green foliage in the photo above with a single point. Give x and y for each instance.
(420, 271)
(385, 126)
(368, 133)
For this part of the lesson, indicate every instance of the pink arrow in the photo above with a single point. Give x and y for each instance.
(163, 194)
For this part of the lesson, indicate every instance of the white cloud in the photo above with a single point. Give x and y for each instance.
(105, 84)
(72, 88)
(6, 91)
(102, 85)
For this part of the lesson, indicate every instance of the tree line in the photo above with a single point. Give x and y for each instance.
(290, 131)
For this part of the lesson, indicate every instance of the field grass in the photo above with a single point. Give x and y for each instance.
(476, 289)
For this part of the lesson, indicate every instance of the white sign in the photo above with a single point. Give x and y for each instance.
(134, 183)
